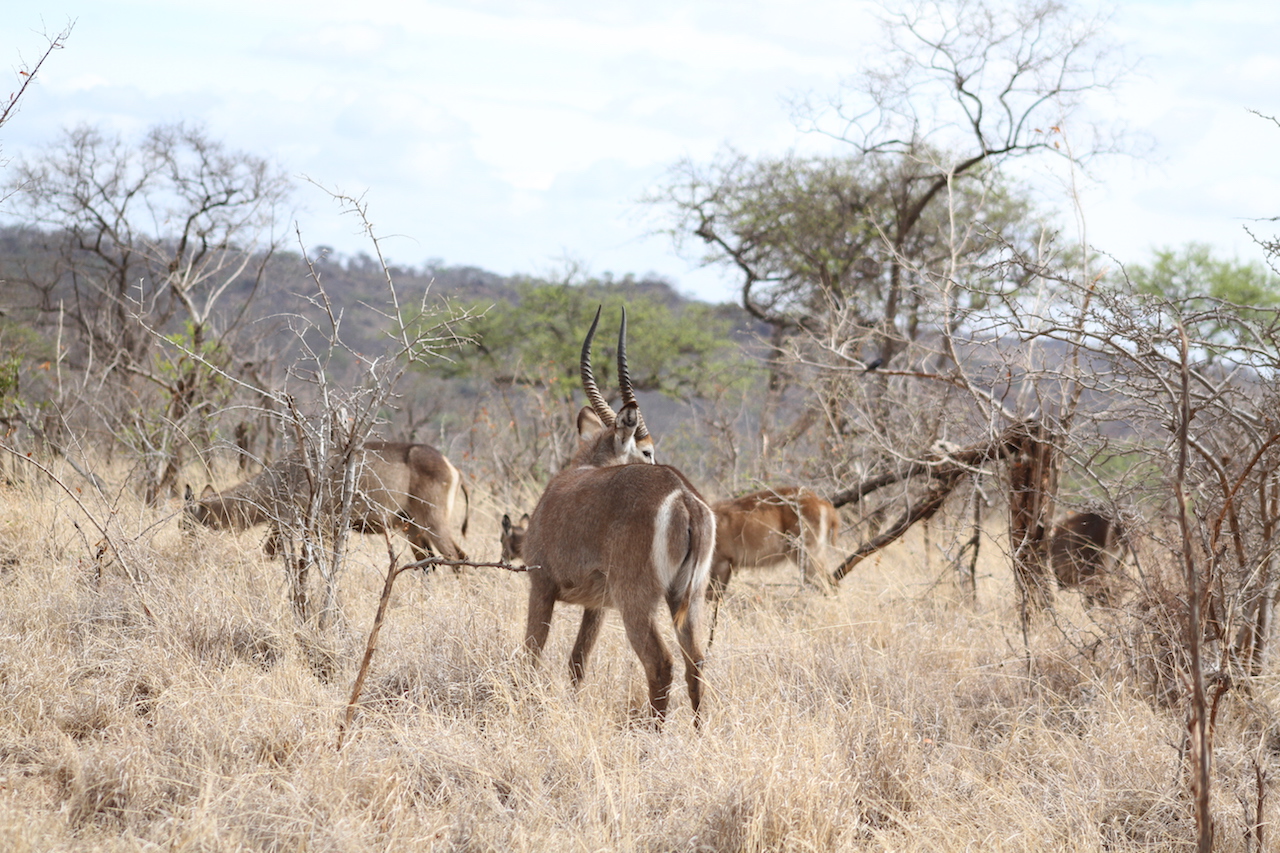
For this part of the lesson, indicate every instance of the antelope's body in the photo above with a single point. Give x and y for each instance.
(613, 530)
(1084, 550)
(412, 488)
(770, 527)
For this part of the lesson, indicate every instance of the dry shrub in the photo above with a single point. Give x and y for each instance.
(189, 710)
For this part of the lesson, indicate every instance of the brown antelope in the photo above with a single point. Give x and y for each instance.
(769, 527)
(409, 487)
(609, 533)
(512, 539)
(1084, 550)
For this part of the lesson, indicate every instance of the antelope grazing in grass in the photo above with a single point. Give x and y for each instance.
(769, 527)
(609, 532)
(1084, 551)
(412, 488)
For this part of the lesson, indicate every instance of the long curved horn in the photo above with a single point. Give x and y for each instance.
(598, 405)
(624, 377)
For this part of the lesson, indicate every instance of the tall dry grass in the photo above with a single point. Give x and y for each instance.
(185, 709)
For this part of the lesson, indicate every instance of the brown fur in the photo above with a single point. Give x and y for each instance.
(609, 533)
(408, 487)
(1084, 551)
(512, 538)
(769, 527)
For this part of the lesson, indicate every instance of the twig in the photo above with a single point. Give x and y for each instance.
(371, 645)
(1198, 723)
(431, 562)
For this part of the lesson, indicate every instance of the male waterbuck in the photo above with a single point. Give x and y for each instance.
(769, 527)
(610, 533)
(1083, 551)
(412, 488)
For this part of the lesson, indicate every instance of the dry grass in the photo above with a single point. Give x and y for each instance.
(187, 710)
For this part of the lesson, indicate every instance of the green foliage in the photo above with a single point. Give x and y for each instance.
(9, 365)
(19, 346)
(1193, 272)
(536, 338)
(192, 356)
(1223, 303)
(844, 240)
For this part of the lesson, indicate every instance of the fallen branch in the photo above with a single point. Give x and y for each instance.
(945, 475)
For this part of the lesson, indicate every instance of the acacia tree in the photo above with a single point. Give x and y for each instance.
(862, 254)
(148, 242)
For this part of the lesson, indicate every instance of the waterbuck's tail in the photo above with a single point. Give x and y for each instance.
(692, 576)
(466, 497)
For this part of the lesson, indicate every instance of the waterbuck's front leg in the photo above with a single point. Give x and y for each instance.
(721, 573)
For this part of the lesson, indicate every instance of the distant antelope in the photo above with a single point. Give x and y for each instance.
(609, 533)
(769, 527)
(512, 538)
(409, 487)
(1084, 550)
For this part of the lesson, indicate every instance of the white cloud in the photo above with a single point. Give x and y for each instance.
(506, 133)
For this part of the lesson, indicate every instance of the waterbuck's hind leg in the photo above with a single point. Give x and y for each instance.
(588, 633)
(646, 640)
(542, 601)
(694, 656)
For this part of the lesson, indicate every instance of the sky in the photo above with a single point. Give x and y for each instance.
(521, 135)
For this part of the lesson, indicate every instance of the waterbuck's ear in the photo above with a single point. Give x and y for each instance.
(207, 491)
(589, 424)
(506, 523)
(628, 420)
(187, 494)
(524, 520)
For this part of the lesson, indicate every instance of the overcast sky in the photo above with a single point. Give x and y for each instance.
(515, 134)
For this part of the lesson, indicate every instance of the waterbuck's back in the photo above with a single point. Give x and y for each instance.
(606, 536)
(402, 485)
(1084, 546)
(275, 494)
(768, 527)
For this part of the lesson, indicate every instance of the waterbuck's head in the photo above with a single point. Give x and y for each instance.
(606, 438)
(513, 538)
(196, 511)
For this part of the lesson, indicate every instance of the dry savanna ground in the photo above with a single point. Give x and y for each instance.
(185, 709)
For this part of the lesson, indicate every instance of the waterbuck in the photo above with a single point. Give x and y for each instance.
(412, 488)
(614, 530)
(1084, 550)
(769, 527)
(512, 539)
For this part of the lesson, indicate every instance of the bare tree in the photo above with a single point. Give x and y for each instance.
(329, 421)
(148, 243)
(27, 73)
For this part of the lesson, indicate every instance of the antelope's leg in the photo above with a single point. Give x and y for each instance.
(721, 572)
(694, 656)
(542, 601)
(647, 641)
(588, 633)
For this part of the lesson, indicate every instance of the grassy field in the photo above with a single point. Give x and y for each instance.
(185, 709)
